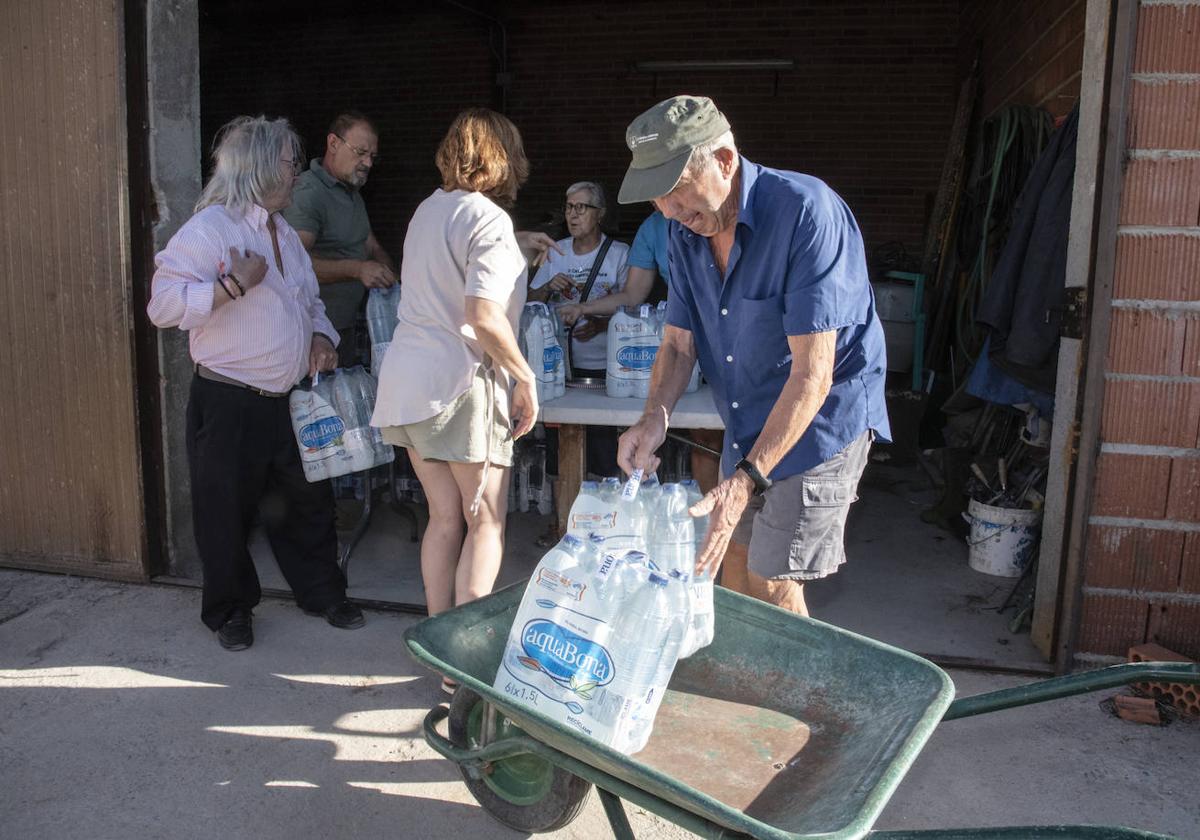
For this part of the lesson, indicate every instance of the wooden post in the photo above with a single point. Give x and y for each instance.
(572, 466)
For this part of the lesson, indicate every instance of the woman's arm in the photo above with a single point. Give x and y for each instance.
(494, 333)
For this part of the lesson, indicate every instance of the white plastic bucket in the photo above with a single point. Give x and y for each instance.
(1002, 540)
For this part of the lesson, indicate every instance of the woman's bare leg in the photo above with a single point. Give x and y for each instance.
(479, 563)
(442, 543)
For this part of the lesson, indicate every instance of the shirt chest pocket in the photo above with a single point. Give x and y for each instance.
(761, 343)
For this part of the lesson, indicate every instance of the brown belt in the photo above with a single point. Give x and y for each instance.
(213, 376)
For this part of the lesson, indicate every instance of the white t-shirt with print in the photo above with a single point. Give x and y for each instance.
(593, 353)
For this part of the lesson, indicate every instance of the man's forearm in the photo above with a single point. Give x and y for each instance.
(335, 271)
(798, 403)
(381, 256)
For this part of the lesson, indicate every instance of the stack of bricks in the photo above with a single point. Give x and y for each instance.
(1185, 698)
(1142, 572)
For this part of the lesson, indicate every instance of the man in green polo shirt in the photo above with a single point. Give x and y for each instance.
(330, 216)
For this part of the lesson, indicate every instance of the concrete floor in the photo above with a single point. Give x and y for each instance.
(906, 583)
(120, 717)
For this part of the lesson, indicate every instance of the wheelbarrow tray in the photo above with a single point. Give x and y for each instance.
(783, 727)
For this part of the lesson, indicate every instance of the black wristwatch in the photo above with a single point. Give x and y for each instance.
(761, 482)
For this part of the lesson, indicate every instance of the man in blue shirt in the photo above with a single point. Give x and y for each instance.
(770, 291)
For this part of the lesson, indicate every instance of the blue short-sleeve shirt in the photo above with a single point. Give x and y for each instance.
(649, 249)
(797, 266)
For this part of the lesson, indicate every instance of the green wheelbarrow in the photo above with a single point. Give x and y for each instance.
(783, 728)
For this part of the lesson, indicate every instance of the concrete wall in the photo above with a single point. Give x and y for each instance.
(1142, 562)
(174, 112)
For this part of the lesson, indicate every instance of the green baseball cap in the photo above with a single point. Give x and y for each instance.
(662, 139)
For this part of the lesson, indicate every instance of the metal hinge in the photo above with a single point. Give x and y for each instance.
(1072, 312)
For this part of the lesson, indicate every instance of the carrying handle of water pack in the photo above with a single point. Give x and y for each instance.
(631, 486)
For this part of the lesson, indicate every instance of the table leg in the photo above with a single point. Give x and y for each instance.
(572, 466)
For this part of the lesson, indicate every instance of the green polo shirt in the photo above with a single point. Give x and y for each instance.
(323, 205)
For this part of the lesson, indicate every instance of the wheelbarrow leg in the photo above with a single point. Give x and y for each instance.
(617, 819)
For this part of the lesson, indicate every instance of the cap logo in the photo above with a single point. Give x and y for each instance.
(645, 138)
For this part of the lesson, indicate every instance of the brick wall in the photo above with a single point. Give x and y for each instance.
(867, 107)
(1142, 559)
(1030, 52)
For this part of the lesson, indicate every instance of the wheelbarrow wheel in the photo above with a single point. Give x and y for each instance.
(525, 792)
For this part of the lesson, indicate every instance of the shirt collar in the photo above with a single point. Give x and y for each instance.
(749, 175)
(323, 176)
(256, 217)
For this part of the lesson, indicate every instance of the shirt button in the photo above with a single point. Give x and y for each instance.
(735, 446)
(724, 311)
(734, 404)
(729, 358)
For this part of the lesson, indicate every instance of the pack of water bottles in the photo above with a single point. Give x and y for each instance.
(331, 420)
(609, 611)
(382, 306)
(539, 344)
(634, 336)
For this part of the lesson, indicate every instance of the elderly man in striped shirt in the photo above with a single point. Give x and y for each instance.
(237, 278)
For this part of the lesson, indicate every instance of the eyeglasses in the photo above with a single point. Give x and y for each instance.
(294, 165)
(572, 209)
(359, 152)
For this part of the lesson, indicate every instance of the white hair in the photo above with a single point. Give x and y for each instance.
(702, 156)
(246, 162)
(594, 190)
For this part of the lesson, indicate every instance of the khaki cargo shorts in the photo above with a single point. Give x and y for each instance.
(796, 529)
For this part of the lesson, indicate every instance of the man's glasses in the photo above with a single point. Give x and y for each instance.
(573, 209)
(359, 152)
(294, 165)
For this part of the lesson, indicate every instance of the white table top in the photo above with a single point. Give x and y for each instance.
(585, 407)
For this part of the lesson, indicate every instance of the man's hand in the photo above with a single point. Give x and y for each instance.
(321, 355)
(635, 448)
(724, 506)
(592, 327)
(524, 408)
(539, 244)
(248, 267)
(376, 275)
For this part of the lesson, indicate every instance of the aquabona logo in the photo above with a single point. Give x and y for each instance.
(321, 433)
(565, 656)
(637, 357)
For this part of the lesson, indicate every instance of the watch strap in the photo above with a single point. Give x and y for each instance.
(761, 482)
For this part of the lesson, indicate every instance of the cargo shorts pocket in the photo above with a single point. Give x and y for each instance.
(818, 544)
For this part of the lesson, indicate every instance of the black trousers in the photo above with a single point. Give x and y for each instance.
(243, 456)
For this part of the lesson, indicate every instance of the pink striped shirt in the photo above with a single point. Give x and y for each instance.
(262, 339)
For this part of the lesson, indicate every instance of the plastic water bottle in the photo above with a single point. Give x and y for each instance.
(554, 366)
(357, 439)
(645, 651)
(632, 348)
(632, 518)
(590, 514)
(610, 489)
(672, 533)
(660, 323)
(700, 633)
(382, 306)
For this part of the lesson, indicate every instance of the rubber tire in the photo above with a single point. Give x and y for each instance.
(559, 807)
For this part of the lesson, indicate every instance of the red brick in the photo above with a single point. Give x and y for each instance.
(1131, 485)
(1161, 191)
(1157, 267)
(1164, 115)
(1176, 626)
(1151, 413)
(1137, 709)
(1183, 494)
(1189, 568)
(1167, 40)
(1111, 625)
(1191, 348)
(1146, 342)
(1135, 559)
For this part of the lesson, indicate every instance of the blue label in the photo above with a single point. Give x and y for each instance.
(566, 656)
(551, 358)
(321, 433)
(635, 357)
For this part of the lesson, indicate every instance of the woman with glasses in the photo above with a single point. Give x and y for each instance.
(454, 389)
(563, 278)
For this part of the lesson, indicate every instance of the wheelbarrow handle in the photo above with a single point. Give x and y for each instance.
(1035, 832)
(1072, 684)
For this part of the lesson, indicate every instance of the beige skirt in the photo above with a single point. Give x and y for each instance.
(461, 432)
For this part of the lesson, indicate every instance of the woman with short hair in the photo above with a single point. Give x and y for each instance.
(444, 388)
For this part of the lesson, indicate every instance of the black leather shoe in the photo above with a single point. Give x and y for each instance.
(237, 633)
(342, 615)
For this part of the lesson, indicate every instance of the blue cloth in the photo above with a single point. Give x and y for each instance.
(649, 249)
(797, 267)
(990, 382)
